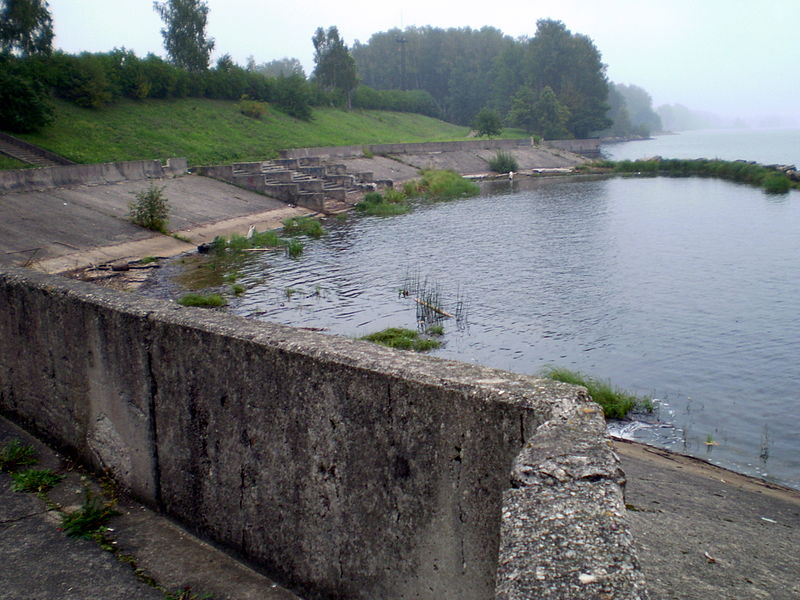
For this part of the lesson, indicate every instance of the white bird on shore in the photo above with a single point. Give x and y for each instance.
(511, 175)
(251, 232)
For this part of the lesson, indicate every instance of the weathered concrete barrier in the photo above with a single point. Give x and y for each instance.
(589, 146)
(20, 180)
(346, 469)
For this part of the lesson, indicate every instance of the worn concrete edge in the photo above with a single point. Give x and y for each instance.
(569, 441)
(164, 245)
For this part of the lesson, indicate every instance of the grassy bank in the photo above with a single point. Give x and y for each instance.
(214, 131)
(770, 179)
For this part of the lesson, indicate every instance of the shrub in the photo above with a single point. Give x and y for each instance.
(411, 189)
(202, 300)
(252, 108)
(150, 209)
(24, 102)
(503, 162)
(488, 122)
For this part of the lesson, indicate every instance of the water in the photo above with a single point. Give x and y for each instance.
(766, 146)
(687, 290)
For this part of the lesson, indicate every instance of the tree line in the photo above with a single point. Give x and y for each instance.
(552, 85)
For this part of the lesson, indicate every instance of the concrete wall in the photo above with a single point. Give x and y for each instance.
(346, 469)
(20, 180)
(577, 146)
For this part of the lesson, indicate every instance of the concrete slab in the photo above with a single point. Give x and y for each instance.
(704, 532)
(65, 228)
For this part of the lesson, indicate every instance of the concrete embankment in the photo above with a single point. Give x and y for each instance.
(345, 469)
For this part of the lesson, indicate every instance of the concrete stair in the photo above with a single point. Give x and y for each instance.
(309, 182)
(29, 154)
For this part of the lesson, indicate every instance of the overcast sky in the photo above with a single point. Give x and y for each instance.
(731, 57)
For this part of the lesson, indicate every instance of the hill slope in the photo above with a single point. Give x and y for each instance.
(214, 131)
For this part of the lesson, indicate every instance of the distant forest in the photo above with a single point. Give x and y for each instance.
(466, 70)
(552, 85)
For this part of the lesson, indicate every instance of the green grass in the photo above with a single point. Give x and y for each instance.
(35, 480)
(376, 205)
(303, 226)
(6, 162)
(215, 131)
(405, 339)
(202, 300)
(616, 403)
(14, 455)
(446, 185)
(771, 180)
(503, 162)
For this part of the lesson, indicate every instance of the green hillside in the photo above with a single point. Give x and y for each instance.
(214, 131)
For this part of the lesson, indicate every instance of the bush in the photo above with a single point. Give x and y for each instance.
(252, 108)
(503, 162)
(25, 104)
(150, 209)
(488, 123)
(375, 205)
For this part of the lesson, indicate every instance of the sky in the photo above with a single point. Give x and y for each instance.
(735, 58)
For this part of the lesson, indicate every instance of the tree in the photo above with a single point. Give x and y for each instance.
(488, 122)
(25, 27)
(550, 116)
(281, 67)
(185, 33)
(335, 68)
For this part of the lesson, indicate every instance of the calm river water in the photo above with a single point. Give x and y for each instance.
(686, 290)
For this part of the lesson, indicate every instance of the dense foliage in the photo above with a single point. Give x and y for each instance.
(25, 27)
(24, 101)
(466, 70)
(184, 33)
(335, 70)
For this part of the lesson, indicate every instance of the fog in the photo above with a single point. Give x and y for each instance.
(735, 58)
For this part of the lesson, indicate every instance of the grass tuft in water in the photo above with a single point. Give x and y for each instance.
(202, 300)
(616, 403)
(404, 339)
(303, 226)
(446, 185)
(389, 204)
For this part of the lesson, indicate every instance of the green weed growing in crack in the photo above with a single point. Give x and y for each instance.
(91, 518)
(37, 481)
(14, 455)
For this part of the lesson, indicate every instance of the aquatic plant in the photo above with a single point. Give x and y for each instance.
(294, 248)
(446, 185)
(202, 300)
(303, 226)
(615, 402)
(769, 178)
(376, 205)
(404, 339)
